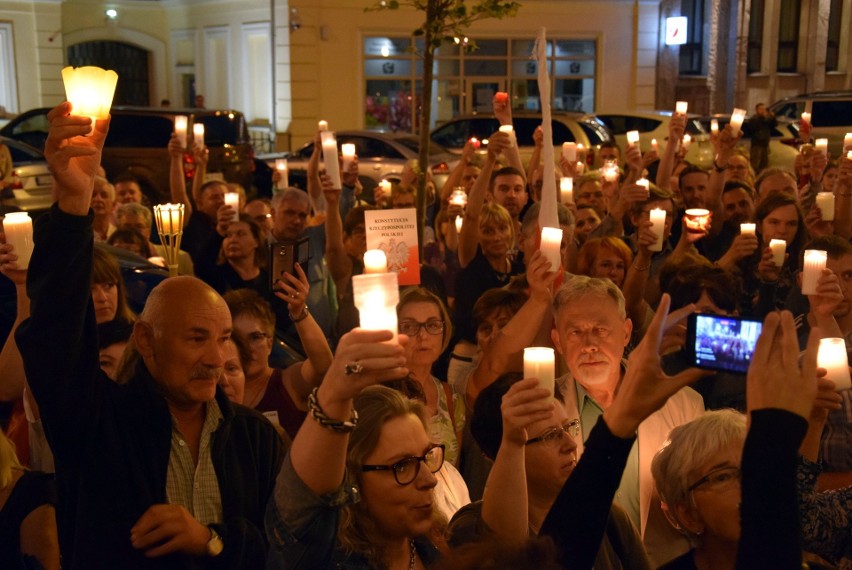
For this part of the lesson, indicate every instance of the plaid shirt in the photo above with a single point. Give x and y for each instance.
(837, 437)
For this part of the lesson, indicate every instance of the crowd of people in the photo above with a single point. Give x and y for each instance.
(239, 418)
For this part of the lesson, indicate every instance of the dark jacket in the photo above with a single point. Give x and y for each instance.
(111, 442)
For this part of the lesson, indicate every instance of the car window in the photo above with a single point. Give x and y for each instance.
(367, 147)
(832, 113)
(32, 130)
(21, 154)
(223, 128)
(455, 133)
(694, 127)
(139, 131)
(595, 130)
(791, 110)
(413, 143)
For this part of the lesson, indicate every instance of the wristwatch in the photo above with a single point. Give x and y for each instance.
(301, 316)
(214, 545)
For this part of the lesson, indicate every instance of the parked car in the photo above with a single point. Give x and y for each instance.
(381, 155)
(138, 139)
(584, 129)
(831, 115)
(655, 125)
(32, 181)
(782, 147)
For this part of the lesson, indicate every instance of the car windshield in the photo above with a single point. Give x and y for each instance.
(222, 128)
(413, 143)
(139, 131)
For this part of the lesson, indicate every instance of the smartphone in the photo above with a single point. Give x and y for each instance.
(283, 257)
(718, 342)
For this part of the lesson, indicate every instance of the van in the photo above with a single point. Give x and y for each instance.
(137, 144)
(831, 115)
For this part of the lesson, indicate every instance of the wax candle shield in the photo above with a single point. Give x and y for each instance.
(90, 90)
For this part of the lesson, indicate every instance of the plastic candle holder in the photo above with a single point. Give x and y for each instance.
(198, 134)
(322, 126)
(737, 118)
(697, 220)
(813, 265)
(376, 296)
(821, 145)
(90, 90)
(632, 137)
(569, 151)
(825, 203)
(348, 152)
(458, 197)
(748, 229)
(540, 363)
(779, 248)
(18, 227)
(551, 244)
(681, 107)
(832, 356)
(232, 199)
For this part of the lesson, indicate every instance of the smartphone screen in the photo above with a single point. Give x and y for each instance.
(722, 343)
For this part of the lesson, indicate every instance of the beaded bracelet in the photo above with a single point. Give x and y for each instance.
(319, 416)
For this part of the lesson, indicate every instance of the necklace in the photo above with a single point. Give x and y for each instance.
(412, 556)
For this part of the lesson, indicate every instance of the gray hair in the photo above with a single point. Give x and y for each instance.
(772, 171)
(101, 182)
(134, 209)
(690, 446)
(530, 221)
(290, 194)
(580, 285)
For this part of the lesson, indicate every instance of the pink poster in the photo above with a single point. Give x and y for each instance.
(395, 233)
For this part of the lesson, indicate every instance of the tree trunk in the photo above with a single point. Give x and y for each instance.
(425, 120)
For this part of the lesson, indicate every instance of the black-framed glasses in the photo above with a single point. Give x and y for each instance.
(412, 328)
(405, 470)
(553, 436)
(718, 479)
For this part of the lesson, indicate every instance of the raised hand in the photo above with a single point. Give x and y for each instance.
(525, 403)
(293, 289)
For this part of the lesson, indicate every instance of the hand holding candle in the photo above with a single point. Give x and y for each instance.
(551, 244)
(376, 296)
(180, 129)
(198, 134)
(737, 118)
(825, 203)
(329, 158)
(658, 226)
(779, 248)
(832, 356)
(90, 91)
(540, 363)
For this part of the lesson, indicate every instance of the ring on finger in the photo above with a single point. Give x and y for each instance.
(353, 368)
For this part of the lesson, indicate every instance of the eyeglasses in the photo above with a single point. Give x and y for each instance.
(405, 470)
(719, 479)
(412, 328)
(553, 437)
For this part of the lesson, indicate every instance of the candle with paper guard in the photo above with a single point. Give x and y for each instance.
(821, 145)
(681, 107)
(658, 226)
(232, 199)
(737, 118)
(329, 157)
(540, 363)
(832, 356)
(697, 220)
(849, 155)
(198, 134)
(748, 229)
(375, 261)
(18, 227)
(281, 166)
(376, 296)
(551, 243)
(569, 151)
(180, 129)
(566, 189)
(813, 265)
(348, 152)
(90, 90)
(779, 248)
(825, 203)
(322, 126)
(632, 137)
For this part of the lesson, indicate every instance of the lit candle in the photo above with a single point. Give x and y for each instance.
(687, 140)
(322, 126)
(459, 222)
(18, 228)
(385, 186)
(681, 107)
(833, 357)
(806, 118)
(348, 151)
(232, 199)
(737, 118)
(169, 219)
(180, 129)
(540, 363)
(475, 142)
(847, 141)
(644, 182)
(376, 296)
(610, 171)
(779, 248)
(509, 130)
(849, 155)
(632, 137)
(566, 189)
(375, 261)
(281, 166)
(821, 145)
(825, 203)
(813, 265)
(580, 168)
(551, 243)
(329, 157)
(458, 197)
(90, 90)
(569, 151)
(655, 145)
(714, 126)
(697, 220)
(198, 134)
(658, 226)
(501, 97)
(748, 229)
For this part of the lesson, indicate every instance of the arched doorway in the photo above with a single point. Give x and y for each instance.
(129, 61)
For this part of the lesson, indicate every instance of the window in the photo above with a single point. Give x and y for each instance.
(692, 52)
(755, 36)
(8, 87)
(788, 36)
(832, 51)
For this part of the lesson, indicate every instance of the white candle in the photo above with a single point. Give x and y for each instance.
(806, 117)
(540, 363)
(687, 140)
(681, 107)
(375, 261)
(385, 186)
(281, 166)
(847, 141)
(644, 182)
(580, 168)
(658, 226)
(348, 151)
(329, 157)
(714, 126)
(322, 126)
(655, 145)
(566, 189)
(509, 130)
(232, 199)
(180, 129)
(90, 90)
(18, 227)
(748, 229)
(376, 296)
(569, 151)
(737, 118)
(849, 155)
(198, 134)
(551, 243)
(833, 357)
(459, 222)
(632, 137)
(825, 203)
(779, 248)
(821, 145)
(813, 266)
(458, 197)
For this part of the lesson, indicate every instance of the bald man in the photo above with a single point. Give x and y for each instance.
(160, 472)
